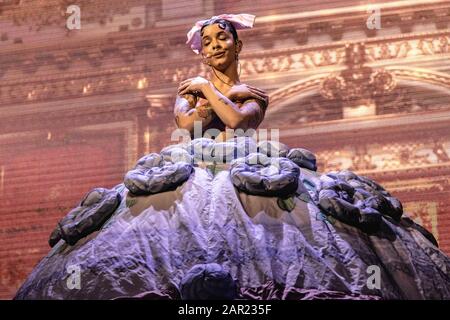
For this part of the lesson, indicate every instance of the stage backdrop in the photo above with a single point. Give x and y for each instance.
(366, 88)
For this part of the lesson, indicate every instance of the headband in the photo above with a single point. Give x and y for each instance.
(239, 21)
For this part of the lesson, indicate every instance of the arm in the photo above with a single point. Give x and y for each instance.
(225, 109)
(253, 111)
(185, 112)
(249, 115)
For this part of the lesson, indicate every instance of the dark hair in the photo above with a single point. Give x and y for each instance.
(223, 24)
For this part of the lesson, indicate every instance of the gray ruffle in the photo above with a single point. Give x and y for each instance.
(153, 174)
(90, 215)
(208, 282)
(258, 174)
(356, 200)
(303, 158)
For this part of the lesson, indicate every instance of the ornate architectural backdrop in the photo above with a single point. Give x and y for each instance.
(79, 107)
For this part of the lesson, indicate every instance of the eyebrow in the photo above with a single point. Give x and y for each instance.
(217, 34)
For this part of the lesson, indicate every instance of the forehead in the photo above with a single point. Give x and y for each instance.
(213, 29)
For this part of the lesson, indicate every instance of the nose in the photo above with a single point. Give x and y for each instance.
(215, 44)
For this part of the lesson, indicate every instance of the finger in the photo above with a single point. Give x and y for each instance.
(180, 88)
(264, 98)
(252, 89)
(258, 90)
(188, 91)
(183, 92)
(186, 81)
(258, 94)
(261, 93)
(262, 101)
(182, 85)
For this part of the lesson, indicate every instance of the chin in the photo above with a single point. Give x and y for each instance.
(222, 66)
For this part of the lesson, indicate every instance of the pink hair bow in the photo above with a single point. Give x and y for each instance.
(239, 21)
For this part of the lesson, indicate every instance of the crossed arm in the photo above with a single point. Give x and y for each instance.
(248, 115)
(186, 113)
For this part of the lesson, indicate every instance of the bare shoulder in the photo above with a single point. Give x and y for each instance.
(190, 98)
(262, 101)
(254, 111)
(185, 102)
(254, 103)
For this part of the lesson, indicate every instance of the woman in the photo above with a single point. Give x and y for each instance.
(223, 102)
(179, 229)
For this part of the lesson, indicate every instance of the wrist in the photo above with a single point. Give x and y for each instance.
(204, 112)
(205, 86)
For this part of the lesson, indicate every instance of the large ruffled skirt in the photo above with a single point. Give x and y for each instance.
(193, 228)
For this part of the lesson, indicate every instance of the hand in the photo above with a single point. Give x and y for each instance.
(243, 92)
(193, 86)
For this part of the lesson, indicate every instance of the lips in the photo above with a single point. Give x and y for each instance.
(219, 55)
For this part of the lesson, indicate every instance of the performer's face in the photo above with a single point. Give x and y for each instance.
(218, 46)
